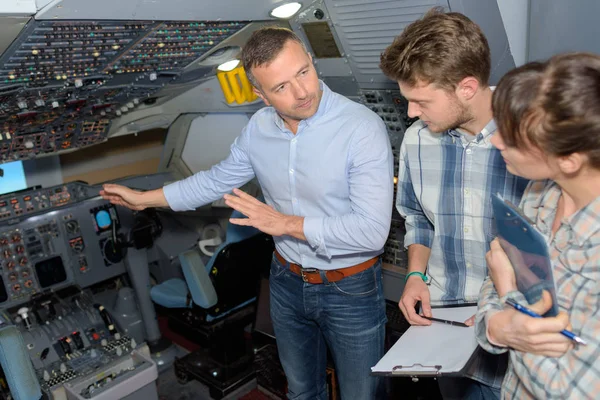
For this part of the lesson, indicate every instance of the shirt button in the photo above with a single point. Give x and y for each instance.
(466, 191)
(469, 151)
(469, 265)
(291, 170)
(466, 230)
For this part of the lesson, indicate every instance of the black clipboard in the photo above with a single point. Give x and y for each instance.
(527, 251)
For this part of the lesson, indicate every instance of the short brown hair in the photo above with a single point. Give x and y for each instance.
(440, 48)
(554, 106)
(263, 46)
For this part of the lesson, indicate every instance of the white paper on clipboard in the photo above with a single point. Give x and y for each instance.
(437, 349)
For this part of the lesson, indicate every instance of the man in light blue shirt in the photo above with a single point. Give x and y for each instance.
(324, 164)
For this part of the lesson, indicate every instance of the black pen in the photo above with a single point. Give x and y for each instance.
(446, 321)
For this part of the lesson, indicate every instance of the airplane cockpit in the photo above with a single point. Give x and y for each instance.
(98, 301)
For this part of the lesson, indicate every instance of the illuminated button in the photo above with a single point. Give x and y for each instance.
(103, 219)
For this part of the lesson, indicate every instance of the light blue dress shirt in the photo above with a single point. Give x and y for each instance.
(336, 171)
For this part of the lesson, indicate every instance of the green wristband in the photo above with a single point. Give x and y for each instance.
(422, 275)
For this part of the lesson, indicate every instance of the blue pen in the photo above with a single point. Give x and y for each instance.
(527, 311)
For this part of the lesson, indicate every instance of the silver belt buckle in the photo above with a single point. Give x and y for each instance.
(303, 272)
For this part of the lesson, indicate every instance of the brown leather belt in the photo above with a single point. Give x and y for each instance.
(311, 275)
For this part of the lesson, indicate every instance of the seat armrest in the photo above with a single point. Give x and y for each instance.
(201, 288)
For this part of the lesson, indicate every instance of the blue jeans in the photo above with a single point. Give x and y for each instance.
(347, 316)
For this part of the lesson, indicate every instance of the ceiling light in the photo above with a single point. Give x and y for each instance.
(229, 65)
(285, 10)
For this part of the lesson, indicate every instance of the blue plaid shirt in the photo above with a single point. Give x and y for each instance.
(445, 183)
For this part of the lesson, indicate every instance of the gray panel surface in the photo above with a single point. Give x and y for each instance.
(559, 26)
(10, 27)
(365, 29)
(209, 139)
(487, 15)
(188, 10)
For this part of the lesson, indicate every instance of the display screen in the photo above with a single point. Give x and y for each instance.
(3, 294)
(321, 40)
(12, 177)
(50, 271)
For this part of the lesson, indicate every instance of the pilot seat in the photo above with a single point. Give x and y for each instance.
(213, 306)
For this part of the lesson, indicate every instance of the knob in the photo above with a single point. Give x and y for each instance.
(46, 376)
(103, 342)
(117, 336)
(23, 312)
(133, 343)
(119, 351)
(63, 368)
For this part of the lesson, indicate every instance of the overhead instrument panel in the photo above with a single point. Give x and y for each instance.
(62, 82)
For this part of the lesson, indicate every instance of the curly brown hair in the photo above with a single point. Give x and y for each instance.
(440, 48)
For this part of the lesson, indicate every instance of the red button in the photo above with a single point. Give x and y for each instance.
(95, 336)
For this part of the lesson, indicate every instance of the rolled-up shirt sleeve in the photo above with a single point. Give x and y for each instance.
(207, 186)
(371, 183)
(489, 303)
(419, 229)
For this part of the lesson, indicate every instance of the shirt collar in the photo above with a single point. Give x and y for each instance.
(323, 106)
(485, 133)
(583, 223)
